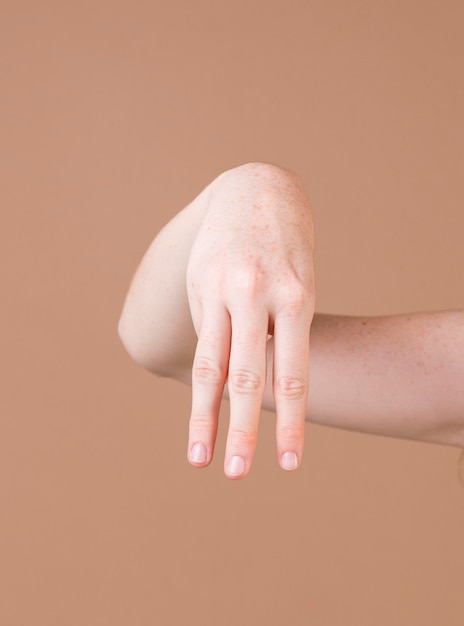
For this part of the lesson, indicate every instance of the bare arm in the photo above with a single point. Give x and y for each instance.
(156, 324)
(399, 376)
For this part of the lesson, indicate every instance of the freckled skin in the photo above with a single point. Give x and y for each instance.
(240, 256)
(258, 260)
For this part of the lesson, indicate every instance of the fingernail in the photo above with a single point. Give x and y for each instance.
(289, 461)
(198, 453)
(236, 466)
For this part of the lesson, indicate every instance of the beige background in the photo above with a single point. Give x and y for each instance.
(116, 114)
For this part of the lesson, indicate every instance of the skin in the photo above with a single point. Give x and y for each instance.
(233, 315)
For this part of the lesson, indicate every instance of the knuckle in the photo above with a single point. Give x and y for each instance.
(245, 381)
(290, 432)
(296, 297)
(248, 279)
(207, 371)
(290, 387)
(200, 423)
(242, 438)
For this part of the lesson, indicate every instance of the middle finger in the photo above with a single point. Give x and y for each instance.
(246, 382)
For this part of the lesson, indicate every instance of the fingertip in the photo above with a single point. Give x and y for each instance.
(235, 467)
(198, 455)
(289, 461)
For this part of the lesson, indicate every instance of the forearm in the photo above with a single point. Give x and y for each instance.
(155, 325)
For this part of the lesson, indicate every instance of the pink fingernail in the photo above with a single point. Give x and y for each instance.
(198, 453)
(289, 461)
(236, 466)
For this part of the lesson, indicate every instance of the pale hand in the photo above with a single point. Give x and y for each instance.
(249, 276)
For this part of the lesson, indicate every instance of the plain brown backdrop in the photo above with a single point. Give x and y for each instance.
(116, 114)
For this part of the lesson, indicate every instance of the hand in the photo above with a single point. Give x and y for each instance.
(249, 276)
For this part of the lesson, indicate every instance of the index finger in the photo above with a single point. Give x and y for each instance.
(209, 373)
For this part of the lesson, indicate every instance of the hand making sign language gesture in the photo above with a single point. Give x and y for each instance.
(223, 300)
(230, 270)
(249, 276)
